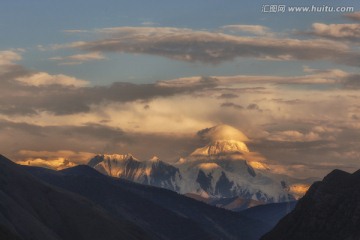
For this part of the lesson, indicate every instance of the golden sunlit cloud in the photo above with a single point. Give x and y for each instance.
(79, 58)
(43, 79)
(10, 56)
(349, 31)
(294, 136)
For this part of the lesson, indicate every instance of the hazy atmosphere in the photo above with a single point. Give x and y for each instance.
(79, 78)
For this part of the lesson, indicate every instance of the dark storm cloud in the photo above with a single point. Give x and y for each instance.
(211, 47)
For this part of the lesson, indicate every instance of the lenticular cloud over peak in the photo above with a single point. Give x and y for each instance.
(222, 132)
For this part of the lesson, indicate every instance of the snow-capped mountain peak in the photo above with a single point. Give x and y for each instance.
(113, 157)
(154, 159)
(221, 147)
(222, 140)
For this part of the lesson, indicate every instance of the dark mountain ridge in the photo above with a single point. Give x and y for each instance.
(33, 209)
(165, 213)
(329, 210)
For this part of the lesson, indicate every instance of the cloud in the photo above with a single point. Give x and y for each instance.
(25, 92)
(289, 169)
(148, 23)
(314, 76)
(222, 132)
(294, 136)
(79, 58)
(28, 92)
(75, 31)
(189, 82)
(326, 129)
(348, 32)
(253, 106)
(44, 79)
(212, 47)
(80, 142)
(228, 96)
(9, 57)
(253, 29)
(351, 82)
(354, 16)
(290, 102)
(232, 105)
(256, 157)
(49, 142)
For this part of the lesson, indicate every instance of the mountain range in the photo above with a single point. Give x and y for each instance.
(81, 203)
(220, 169)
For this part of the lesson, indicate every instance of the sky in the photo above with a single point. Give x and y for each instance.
(79, 78)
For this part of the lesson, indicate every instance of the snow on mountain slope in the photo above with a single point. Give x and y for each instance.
(220, 169)
(230, 178)
(221, 147)
(153, 172)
